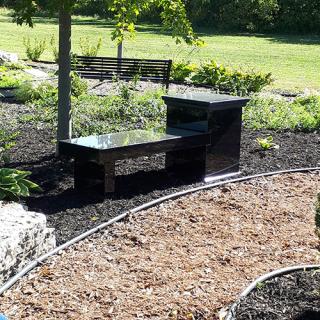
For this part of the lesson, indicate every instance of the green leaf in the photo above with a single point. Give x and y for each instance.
(31, 185)
(24, 191)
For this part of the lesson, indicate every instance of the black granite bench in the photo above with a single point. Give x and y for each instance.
(95, 156)
(125, 69)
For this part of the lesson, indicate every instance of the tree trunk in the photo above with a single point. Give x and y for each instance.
(64, 84)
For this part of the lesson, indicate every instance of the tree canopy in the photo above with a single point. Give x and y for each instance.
(125, 12)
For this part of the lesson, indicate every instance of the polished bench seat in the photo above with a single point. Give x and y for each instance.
(95, 156)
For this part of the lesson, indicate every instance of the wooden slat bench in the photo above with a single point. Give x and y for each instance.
(104, 68)
(95, 156)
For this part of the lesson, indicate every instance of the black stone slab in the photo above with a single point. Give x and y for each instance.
(95, 156)
(206, 100)
(218, 115)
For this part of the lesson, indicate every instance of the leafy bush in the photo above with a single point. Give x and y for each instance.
(277, 113)
(28, 92)
(54, 49)
(9, 80)
(78, 86)
(88, 49)
(181, 71)
(7, 141)
(13, 184)
(16, 66)
(233, 81)
(46, 93)
(35, 48)
(123, 109)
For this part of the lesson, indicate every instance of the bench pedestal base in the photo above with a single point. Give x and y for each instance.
(188, 162)
(90, 174)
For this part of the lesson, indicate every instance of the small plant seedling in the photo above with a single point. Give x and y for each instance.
(260, 285)
(267, 143)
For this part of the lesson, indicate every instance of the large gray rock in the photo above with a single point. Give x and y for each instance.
(24, 237)
(8, 57)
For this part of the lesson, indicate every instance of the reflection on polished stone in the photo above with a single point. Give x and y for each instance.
(134, 137)
(205, 99)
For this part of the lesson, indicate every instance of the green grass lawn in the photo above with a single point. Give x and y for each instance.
(293, 60)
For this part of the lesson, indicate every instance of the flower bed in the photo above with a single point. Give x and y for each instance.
(185, 259)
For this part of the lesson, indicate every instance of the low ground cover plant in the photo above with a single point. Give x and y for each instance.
(12, 75)
(126, 108)
(13, 184)
(221, 78)
(123, 109)
(54, 49)
(87, 48)
(34, 48)
(277, 113)
(7, 141)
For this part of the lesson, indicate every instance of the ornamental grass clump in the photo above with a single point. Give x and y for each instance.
(34, 48)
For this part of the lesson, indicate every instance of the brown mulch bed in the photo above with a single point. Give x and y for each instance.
(185, 259)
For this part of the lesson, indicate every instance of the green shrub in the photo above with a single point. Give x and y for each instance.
(11, 76)
(13, 184)
(54, 49)
(8, 80)
(233, 81)
(88, 49)
(35, 48)
(181, 71)
(16, 66)
(29, 92)
(277, 113)
(7, 141)
(47, 92)
(78, 86)
(123, 109)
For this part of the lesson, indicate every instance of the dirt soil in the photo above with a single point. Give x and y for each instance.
(185, 259)
(139, 180)
(295, 296)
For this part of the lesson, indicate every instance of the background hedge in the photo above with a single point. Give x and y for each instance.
(289, 16)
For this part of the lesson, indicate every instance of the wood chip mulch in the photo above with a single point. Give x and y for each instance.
(185, 259)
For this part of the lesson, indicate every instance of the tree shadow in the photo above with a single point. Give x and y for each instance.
(291, 39)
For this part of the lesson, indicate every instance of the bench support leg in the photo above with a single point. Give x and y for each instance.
(90, 174)
(187, 162)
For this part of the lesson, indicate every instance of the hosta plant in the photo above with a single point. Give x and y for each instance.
(13, 184)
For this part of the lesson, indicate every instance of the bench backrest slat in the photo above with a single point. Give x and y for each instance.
(125, 68)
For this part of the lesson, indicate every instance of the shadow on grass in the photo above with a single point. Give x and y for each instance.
(201, 32)
(291, 39)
